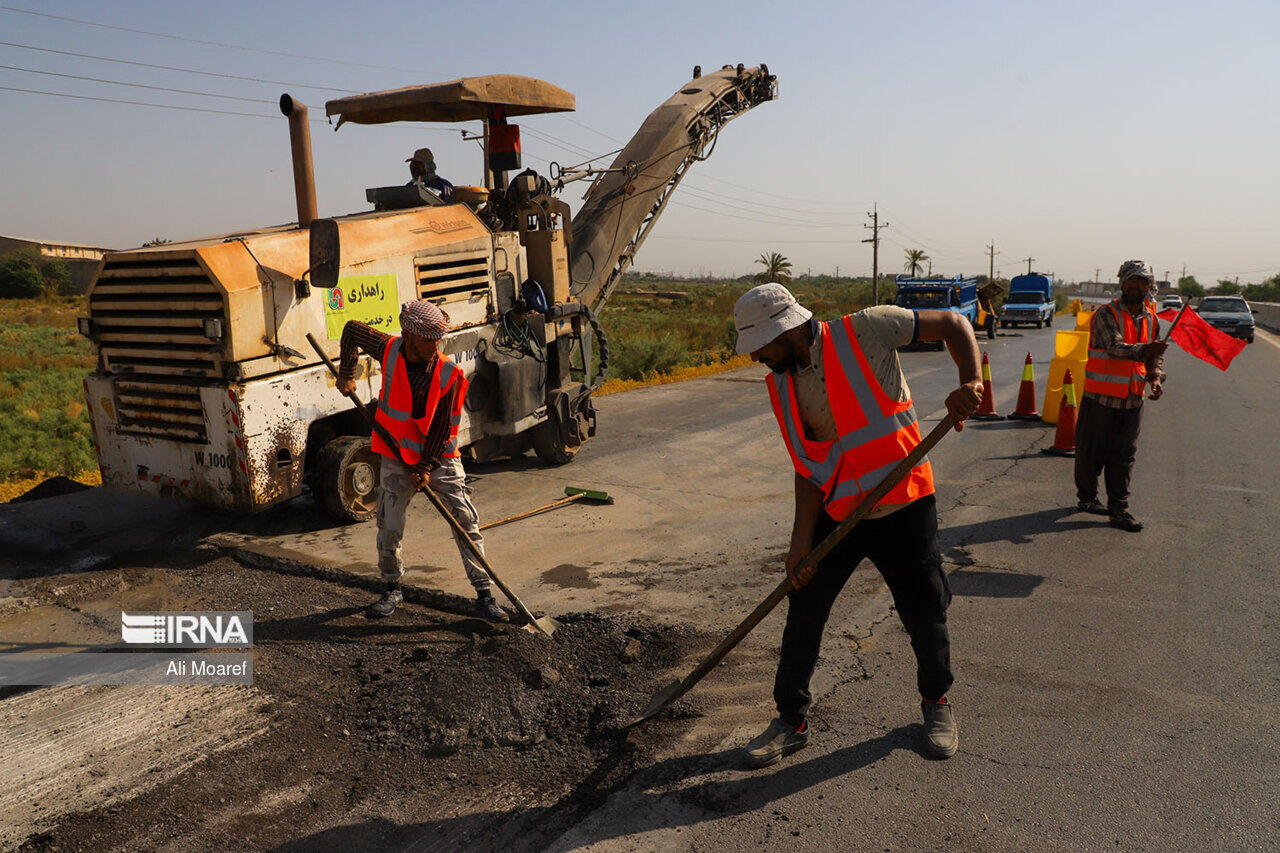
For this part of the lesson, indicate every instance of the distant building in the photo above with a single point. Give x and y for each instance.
(81, 260)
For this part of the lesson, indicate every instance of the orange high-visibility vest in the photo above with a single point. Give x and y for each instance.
(874, 432)
(395, 405)
(1120, 377)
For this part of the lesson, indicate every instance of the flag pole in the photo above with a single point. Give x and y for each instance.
(1181, 311)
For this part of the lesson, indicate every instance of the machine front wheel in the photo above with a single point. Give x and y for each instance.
(550, 448)
(346, 477)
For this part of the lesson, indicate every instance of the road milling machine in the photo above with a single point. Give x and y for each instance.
(208, 389)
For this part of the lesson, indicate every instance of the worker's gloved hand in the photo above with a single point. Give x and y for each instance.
(964, 401)
(794, 558)
(1157, 389)
(420, 478)
(1155, 349)
(346, 386)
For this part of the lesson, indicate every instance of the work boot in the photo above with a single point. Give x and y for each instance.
(776, 741)
(940, 737)
(1125, 521)
(487, 608)
(386, 605)
(1092, 506)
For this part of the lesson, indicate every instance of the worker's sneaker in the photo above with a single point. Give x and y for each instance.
(1125, 521)
(487, 608)
(1093, 506)
(776, 741)
(940, 737)
(386, 605)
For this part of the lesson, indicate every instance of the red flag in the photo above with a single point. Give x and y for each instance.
(1200, 339)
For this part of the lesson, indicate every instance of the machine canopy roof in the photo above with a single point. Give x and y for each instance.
(463, 99)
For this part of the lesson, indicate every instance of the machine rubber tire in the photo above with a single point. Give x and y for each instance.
(549, 448)
(345, 483)
(1039, 324)
(991, 328)
(1049, 322)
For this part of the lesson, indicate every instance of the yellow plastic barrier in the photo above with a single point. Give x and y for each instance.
(1083, 319)
(1070, 352)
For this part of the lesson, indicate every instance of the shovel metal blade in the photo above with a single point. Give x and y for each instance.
(544, 625)
(660, 700)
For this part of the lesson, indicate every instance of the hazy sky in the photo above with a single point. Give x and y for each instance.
(1080, 134)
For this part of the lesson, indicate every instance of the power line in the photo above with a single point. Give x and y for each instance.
(140, 103)
(137, 85)
(747, 218)
(176, 68)
(220, 43)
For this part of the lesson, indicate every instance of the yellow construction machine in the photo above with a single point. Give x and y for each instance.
(207, 389)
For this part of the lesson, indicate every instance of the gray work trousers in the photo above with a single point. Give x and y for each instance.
(396, 489)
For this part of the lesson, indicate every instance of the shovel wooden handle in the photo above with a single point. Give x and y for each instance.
(458, 529)
(816, 556)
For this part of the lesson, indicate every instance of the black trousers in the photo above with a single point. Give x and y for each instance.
(1106, 442)
(904, 547)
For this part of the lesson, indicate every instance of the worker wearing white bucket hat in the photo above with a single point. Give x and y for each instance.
(847, 420)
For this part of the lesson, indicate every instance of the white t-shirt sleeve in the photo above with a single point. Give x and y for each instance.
(888, 326)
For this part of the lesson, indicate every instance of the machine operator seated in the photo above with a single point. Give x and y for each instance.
(422, 166)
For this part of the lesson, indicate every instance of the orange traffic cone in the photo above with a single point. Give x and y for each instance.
(987, 410)
(1026, 410)
(1064, 440)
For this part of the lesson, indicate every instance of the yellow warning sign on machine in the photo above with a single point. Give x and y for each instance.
(372, 299)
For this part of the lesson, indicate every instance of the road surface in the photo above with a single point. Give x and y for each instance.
(1114, 691)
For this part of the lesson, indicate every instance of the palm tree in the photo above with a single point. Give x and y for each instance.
(776, 267)
(915, 260)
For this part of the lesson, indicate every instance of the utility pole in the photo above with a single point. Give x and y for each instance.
(1028, 260)
(874, 240)
(991, 257)
(837, 270)
(1097, 274)
(930, 273)
(1184, 272)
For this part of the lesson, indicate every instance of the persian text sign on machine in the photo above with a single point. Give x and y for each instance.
(372, 299)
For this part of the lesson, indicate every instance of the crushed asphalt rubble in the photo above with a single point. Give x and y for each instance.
(429, 727)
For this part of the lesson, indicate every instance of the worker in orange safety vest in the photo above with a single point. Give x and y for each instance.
(847, 420)
(1126, 357)
(420, 405)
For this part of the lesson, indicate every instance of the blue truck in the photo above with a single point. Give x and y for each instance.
(1030, 301)
(958, 294)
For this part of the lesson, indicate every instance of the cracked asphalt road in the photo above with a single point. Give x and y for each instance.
(1114, 691)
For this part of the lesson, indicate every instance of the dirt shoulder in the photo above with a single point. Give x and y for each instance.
(429, 729)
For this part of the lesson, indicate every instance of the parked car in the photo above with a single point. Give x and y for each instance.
(1171, 301)
(1230, 314)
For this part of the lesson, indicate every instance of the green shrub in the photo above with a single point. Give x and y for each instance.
(638, 357)
(26, 274)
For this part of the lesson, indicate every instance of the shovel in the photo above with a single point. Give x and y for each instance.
(676, 689)
(574, 495)
(539, 625)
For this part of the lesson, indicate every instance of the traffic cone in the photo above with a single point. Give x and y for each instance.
(987, 411)
(1026, 410)
(1064, 440)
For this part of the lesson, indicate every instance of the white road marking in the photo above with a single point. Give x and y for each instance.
(1266, 336)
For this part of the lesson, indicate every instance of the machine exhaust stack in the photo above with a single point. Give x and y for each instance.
(304, 182)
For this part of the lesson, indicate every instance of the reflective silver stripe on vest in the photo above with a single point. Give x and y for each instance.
(868, 481)
(819, 472)
(390, 365)
(878, 424)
